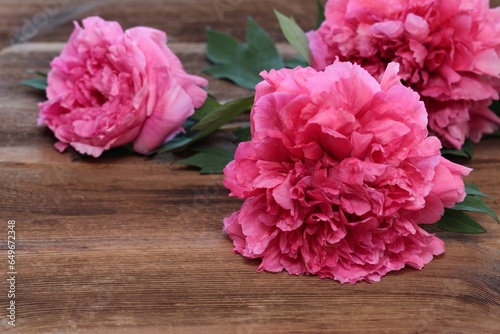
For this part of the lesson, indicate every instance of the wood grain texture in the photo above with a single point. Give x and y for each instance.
(183, 20)
(135, 245)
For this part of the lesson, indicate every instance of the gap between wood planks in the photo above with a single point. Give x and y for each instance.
(177, 47)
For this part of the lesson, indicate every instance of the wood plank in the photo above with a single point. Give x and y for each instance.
(184, 21)
(100, 250)
(134, 245)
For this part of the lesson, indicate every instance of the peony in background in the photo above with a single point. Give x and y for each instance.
(448, 51)
(338, 176)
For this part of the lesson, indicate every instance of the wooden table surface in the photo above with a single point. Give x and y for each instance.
(135, 245)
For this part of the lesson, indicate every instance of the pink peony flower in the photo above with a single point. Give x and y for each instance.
(338, 176)
(111, 87)
(448, 51)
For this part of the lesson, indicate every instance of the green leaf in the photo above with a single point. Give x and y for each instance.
(455, 153)
(495, 107)
(321, 14)
(40, 73)
(261, 53)
(243, 134)
(294, 35)
(120, 151)
(173, 144)
(236, 73)
(210, 120)
(242, 62)
(211, 160)
(458, 221)
(295, 61)
(210, 105)
(475, 204)
(467, 150)
(472, 189)
(38, 83)
(223, 114)
(223, 48)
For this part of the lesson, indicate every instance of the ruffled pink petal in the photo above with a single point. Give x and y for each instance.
(338, 175)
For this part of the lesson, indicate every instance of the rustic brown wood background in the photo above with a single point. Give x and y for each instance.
(134, 245)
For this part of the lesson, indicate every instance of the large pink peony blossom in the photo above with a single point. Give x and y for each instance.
(338, 175)
(448, 51)
(111, 87)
